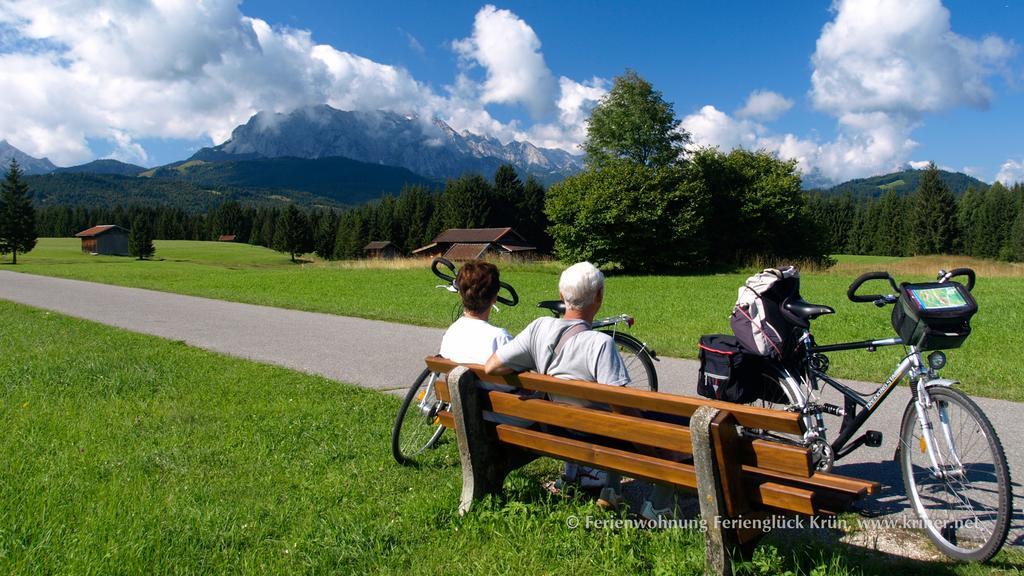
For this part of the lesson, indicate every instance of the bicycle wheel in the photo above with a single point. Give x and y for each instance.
(638, 361)
(416, 427)
(964, 503)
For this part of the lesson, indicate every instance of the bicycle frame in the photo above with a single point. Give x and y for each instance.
(858, 407)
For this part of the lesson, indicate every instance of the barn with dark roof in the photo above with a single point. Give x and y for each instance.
(108, 239)
(381, 249)
(475, 243)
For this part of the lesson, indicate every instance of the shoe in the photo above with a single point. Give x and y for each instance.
(610, 499)
(649, 512)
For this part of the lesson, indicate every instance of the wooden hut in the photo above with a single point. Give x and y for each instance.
(381, 249)
(107, 239)
(475, 243)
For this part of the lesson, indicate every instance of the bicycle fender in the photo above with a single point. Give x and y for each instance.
(941, 382)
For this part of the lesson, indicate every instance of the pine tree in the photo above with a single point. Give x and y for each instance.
(324, 235)
(1016, 243)
(140, 239)
(533, 222)
(507, 194)
(17, 216)
(292, 234)
(933, 216)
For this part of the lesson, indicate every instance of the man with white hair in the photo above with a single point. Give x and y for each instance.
(567, 348)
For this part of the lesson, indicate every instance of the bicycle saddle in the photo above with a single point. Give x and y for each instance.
(804, 310)
(556, 306)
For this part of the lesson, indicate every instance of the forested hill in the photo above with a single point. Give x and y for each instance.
(903, 183)
(109, 190)
(345, 181)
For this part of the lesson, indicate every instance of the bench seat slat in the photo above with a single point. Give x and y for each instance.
(749, 416)
(770, 494)
(819, 480)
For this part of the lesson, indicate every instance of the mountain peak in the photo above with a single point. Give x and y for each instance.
(29, 165)
(431, 148)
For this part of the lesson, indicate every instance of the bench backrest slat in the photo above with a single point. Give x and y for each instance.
(778, 457)
(749, 416)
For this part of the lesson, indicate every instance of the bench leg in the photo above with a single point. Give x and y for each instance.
(722, 541)
(485, 463)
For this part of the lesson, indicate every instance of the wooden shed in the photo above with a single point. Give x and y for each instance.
(381, 249)
(107, 239)
(475, 243)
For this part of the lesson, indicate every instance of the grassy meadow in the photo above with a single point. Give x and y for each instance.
(671, 311)
(130, 454)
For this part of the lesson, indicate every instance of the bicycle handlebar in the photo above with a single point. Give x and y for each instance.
(881, 300)
(512, 300)
(851, 293)
(442, 275)
(967, 272)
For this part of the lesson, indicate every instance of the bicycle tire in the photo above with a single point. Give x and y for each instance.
(637, 360)
(975, 538)
(416, 433)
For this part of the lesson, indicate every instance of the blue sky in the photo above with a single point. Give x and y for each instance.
(850, 89)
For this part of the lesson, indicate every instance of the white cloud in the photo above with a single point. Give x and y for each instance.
(574, 104)
(900, 58)
(126, 71)
(509, 50)
(879, 67)
(126, 149)
(764, 105)
(919, 164)
(1011, 172)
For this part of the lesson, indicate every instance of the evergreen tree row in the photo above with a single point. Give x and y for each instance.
(986, 223)
(409, 220)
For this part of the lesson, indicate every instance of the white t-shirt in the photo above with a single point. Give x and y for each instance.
(472, 341)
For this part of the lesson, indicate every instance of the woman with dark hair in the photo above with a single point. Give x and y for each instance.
(471, 339)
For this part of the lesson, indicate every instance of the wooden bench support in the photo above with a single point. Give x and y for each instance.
(712, 493)
(485, 461)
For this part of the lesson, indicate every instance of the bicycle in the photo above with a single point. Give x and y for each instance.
(413, 434)
(964, 505)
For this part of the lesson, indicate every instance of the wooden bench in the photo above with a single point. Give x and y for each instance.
(735, 477)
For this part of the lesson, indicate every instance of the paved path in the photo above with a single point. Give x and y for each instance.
(387, 356)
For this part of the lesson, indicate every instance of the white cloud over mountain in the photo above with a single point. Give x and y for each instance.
(125, 71)
(879, 67)
(1011, 172)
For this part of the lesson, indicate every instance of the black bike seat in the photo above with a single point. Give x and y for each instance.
(556, 306)
(805, 310)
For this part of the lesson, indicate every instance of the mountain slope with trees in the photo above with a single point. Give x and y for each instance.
(902, 183)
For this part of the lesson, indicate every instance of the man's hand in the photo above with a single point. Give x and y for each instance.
(495, 367)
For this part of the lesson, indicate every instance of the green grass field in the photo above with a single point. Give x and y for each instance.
(130, 454)
(671, 311)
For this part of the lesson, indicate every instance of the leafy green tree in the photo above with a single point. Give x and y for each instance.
(635, 123)
(292, 234)
(17, 216)
(640, 217)
(757, 207)
(140, 239)
(933, 217)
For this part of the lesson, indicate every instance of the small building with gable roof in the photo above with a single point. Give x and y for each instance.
(476, 243)
(381, 249)
(106, 239)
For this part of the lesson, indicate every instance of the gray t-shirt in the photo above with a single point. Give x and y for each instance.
(590, 356)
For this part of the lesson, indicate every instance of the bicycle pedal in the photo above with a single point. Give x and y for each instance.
(873, 438)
